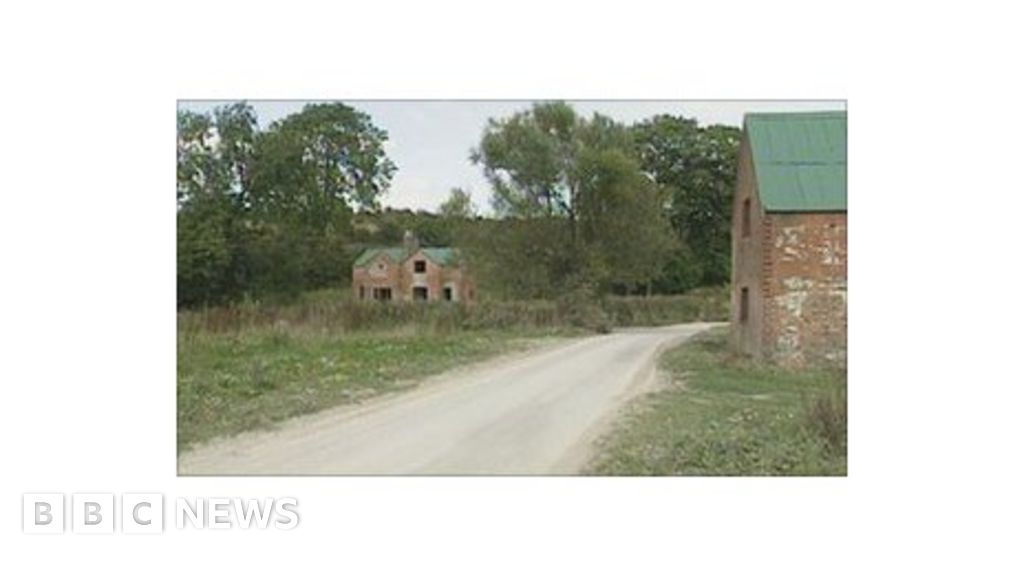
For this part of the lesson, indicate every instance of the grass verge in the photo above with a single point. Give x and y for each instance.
(229, 382)
(729, 416)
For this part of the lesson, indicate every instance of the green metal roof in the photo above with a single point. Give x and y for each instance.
(395, 254)
(441, 256)
(799, 160)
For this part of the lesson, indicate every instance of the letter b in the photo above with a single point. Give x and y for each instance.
(43, 516)
(92, 514)
(43, 513)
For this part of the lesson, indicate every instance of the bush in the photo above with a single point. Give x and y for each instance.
(581, 309)
(826, 418)
(336, 311)
(706, 305)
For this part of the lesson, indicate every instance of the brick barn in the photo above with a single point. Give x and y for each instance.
(411, 273)
(789, 239)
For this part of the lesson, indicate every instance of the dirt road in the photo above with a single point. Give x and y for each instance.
(532, 414)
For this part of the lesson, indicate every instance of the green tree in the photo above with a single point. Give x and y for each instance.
(344, 151)
(622, 223)
(458, 205)
(204, 213)
(312, 170)
(697, 166)
(268, 213)
(204, 252)
(237, 130)
(200, 172)
(530, 159)
(548, 163)
(517, 258)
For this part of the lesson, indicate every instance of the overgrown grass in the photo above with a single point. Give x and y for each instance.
(250, 365)
(700, 305)
(335, 310)
(232, 382)
(725, 415)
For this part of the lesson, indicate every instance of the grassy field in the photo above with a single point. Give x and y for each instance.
(249, 365)
(724, 415)
(229, 382)
(335, 310)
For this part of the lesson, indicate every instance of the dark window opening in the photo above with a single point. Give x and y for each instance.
(382, 294)
(746, 218)
(419, 266)
(448, 293)
(420, 293)
(362, 293)
(744, 304)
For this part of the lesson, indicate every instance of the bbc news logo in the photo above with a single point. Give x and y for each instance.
(95, 513)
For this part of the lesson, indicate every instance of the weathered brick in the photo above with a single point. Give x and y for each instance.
(401, 278)
(794, 267)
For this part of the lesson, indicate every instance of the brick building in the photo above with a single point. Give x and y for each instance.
(410, 272)
(789, 239)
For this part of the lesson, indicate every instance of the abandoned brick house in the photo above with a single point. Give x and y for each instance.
(789, 239)
(410, 272)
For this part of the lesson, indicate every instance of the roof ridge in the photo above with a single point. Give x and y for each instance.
(791, 114)
(404, 253)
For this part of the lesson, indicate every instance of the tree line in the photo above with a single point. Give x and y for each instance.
(579, 203)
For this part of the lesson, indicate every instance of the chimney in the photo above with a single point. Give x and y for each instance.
(410, 242)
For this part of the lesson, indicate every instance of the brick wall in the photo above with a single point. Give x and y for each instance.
(793, 266)
(747, 260)
(381, 272)
(804, 288)
(402, 277)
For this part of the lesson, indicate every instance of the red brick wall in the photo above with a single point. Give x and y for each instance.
(431, 278)
(460, 281)
(402, 278)
(794, 268)
(381, 272)
(747, 260)
(804, 288)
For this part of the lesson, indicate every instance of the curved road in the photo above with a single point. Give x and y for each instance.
(530, 414)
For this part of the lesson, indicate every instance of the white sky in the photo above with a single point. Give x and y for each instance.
(429, 141)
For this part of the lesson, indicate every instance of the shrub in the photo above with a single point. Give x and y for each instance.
(581, 308)
(825, 416)
(336, 311)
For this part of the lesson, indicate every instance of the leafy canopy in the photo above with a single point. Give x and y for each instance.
(459, 205)
(268, 212)
(548, 163)
(697, 167)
